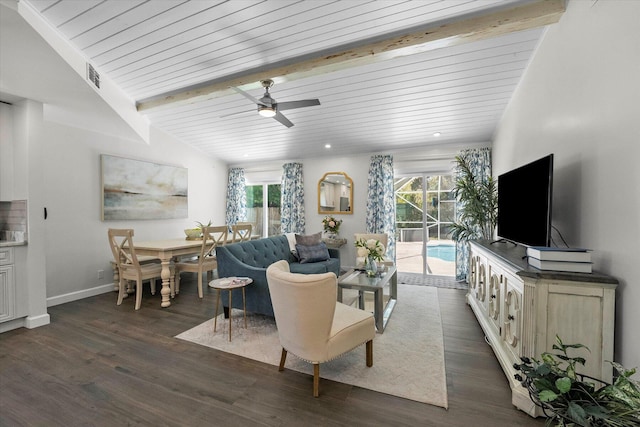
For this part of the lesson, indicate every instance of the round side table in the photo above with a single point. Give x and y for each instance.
(229, 284)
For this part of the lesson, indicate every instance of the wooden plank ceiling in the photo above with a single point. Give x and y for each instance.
(177, 59)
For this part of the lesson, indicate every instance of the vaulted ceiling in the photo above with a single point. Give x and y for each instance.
(388, 74)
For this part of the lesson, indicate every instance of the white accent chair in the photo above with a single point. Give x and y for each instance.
(311, 323)
(129, 267)
(206, 262)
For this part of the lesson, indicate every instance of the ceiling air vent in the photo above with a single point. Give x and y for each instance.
(93, 75)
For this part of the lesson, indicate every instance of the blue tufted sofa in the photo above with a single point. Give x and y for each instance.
(251, 259)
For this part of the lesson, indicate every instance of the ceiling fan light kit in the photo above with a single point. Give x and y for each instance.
(268, 107)
(265, 111)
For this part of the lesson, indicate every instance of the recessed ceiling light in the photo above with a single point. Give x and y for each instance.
(437, 134)
(327, 145)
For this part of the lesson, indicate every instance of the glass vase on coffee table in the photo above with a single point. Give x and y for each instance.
(370, 266)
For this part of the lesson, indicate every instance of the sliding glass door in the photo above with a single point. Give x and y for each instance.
(425, 209)
(264, 210)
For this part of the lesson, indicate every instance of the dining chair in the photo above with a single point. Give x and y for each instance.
(241, 232)
(206, 262)
(311, 323)
(128, 265)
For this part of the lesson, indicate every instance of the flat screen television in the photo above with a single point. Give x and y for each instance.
(524, 203)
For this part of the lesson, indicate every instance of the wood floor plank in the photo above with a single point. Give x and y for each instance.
(99, 364)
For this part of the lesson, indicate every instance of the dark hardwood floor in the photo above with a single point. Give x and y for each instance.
(98, 364)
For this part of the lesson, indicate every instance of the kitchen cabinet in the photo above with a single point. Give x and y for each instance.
(7, 285)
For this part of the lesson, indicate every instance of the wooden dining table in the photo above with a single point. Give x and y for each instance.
(165, 250)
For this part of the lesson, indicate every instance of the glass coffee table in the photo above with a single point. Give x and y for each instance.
(358, 280)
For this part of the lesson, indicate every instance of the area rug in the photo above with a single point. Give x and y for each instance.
(437, 281)
(408, 358)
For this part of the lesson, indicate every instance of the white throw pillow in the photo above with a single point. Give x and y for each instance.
(291, 237)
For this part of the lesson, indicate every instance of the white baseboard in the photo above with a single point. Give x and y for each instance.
(28, 322)
(12, 324)
(74, 296)
(31, 322)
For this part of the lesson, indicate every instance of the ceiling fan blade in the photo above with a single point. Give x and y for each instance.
(290, 105)
(282, 119)
(253, 110)
(246, 95)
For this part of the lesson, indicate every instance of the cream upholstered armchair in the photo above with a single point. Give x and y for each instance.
(311, 323)
(361, 252)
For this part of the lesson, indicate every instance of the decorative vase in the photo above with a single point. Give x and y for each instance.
(371, 267)
(330, 235)
(193, 233)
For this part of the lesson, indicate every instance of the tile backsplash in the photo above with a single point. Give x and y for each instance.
(13, 220)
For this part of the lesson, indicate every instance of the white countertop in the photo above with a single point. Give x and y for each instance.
(4, 243)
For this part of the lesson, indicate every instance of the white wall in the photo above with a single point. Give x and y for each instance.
(357, 167)
(432, 160)
(76, 245)
(60, 129)
(27, 185)
(579, 99)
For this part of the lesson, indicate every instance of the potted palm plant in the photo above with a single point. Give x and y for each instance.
(478, 207)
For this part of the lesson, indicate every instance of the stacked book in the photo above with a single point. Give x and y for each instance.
(559, 259)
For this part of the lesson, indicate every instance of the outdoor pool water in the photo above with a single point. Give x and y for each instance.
(443, 252)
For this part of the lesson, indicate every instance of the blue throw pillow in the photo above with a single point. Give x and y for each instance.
(312, 253)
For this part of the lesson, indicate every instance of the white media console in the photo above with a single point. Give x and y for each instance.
(521, 309)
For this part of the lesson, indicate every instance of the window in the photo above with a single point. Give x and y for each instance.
(261, 210)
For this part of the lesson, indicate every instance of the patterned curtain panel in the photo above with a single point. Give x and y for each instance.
(236, 197)
(292, 199)
(381, 204)
(480, 161)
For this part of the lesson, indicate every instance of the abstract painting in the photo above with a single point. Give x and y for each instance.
(134, 189)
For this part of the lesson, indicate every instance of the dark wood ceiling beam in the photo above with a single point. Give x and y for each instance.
(463, 30)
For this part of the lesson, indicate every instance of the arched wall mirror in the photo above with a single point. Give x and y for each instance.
(335, 194)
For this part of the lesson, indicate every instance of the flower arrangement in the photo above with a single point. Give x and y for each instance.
(371, 249)
(331, 225)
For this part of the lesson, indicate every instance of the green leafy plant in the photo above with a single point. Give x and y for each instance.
(572, 399)
(201, 226)
(196, 232)
(478, 209)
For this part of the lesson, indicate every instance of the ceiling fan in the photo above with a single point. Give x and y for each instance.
(268, 107)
